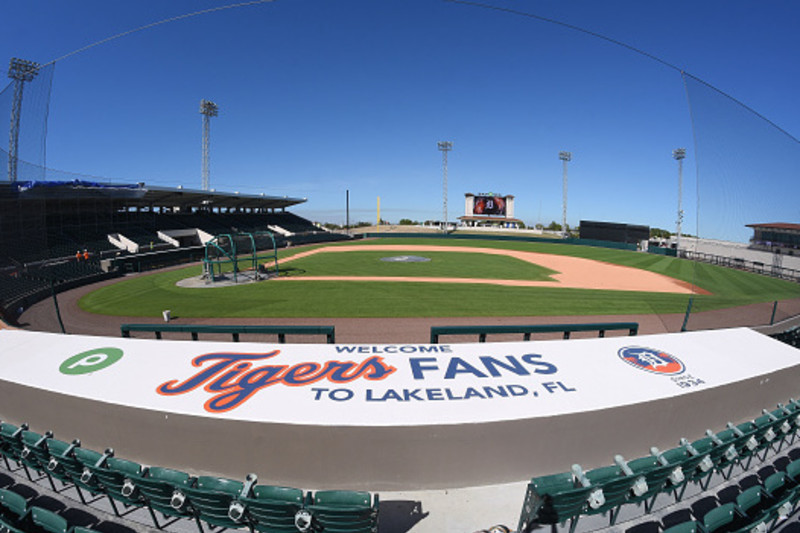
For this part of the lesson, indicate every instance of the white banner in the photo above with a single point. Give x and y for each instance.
(387, 385)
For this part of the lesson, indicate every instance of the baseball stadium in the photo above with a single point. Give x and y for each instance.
(188, 358)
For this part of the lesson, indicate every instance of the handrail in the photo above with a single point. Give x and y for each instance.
(233, 330)
(482, 331)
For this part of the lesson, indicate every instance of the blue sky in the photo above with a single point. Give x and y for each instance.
(320, 96)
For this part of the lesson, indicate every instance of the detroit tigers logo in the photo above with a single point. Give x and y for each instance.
(651, 360)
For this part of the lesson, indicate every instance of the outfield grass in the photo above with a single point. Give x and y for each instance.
(149, 295)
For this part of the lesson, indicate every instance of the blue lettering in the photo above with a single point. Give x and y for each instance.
(513, 365)
(459, 366)
(499, 391)
(418, 366)
(544, 367)
(434, 394)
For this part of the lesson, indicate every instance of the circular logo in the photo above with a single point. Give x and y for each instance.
(651, 360)
(90, 361)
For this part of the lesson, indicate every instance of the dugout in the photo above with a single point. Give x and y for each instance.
(614, 232)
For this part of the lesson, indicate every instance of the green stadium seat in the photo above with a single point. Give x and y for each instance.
(767, 434)
(775, 485)
(14, 507)
(115, 478)
(616, 487)
(162, 489)
(210, 499)
(270, 508)
(11, 443)
(342, 511)
(554, 499)
(719, 517)
(793, 471)
(34, 454)
(48, 520)
(688, 466)
(68, 463)
(656, 476)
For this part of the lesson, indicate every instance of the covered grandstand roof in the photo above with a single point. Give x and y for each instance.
(776, 225)
(140, 194)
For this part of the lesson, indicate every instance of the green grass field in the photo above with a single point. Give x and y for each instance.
(148, 295)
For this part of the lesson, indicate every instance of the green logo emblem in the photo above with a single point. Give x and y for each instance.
(91, 361)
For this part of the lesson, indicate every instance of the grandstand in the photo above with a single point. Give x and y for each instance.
(43, 225)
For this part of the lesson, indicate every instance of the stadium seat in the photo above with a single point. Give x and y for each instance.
(48, 520)
(656, 476)
(721, 450)
(14, 507)
(616, 487)
(162, 490)
(114, 477)
(67, 463)
(719, 517)
(270, 508)
(11, 442)
(341, 511)
(553, 499)
(749, 509)
(210, 499)
(34, 454)
(687, 466)
(793, 471)
(775, 485)
(767, 434)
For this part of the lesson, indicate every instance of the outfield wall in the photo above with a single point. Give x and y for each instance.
(390, 417)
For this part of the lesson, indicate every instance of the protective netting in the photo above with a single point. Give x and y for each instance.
(31, 100)
(747, 166)
(621, 115)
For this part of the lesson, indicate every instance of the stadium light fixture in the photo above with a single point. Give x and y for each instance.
(20, 71)
(565, 157)
(444, 146)
(208, 109)
(679, 154)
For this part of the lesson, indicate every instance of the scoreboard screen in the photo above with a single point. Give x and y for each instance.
(489, 205)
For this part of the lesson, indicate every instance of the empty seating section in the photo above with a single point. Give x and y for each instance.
(560, 500)
(754, 499)
(168, 495)
(28, 267)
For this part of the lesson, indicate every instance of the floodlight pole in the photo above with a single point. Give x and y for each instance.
(444, 146)
(679, 154)
(564, 157)
(20, 71)
(208, 109)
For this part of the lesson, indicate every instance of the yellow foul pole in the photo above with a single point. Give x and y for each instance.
(379, 214)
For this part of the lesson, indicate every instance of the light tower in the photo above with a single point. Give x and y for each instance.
(20, 71)
(445, 146)
(679, 154)
(208, 109)
(564, 157)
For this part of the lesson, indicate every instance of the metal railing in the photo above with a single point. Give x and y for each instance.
(234, 330)
(527, 331)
